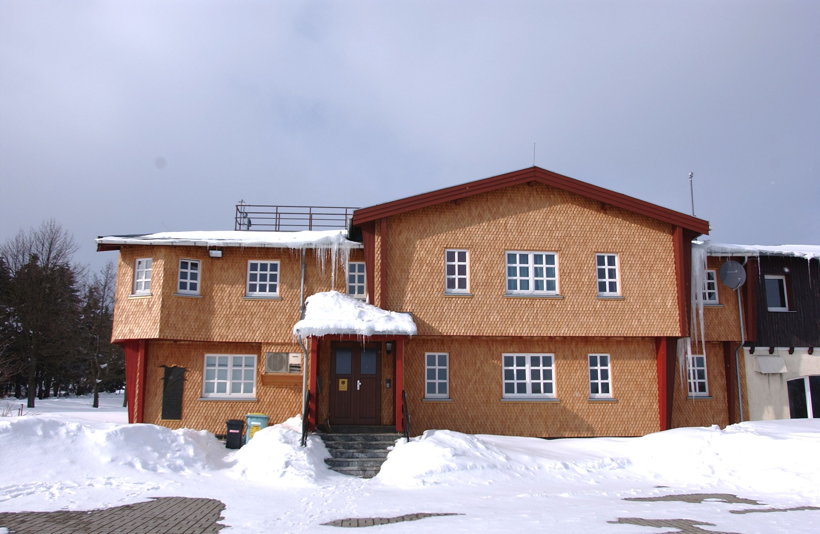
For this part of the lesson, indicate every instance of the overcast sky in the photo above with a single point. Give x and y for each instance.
(136, 117)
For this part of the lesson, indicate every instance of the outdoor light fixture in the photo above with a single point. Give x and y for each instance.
(215, 253)
(388, 347)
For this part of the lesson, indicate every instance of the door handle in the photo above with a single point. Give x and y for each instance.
(358, 385)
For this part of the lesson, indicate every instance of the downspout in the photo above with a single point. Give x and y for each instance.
(302, 345)
(737, 351)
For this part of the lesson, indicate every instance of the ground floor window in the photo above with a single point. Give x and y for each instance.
(804, 397)
(696, 373)
(599, 376)
(229, 375)
(528, 375)
(437, 375)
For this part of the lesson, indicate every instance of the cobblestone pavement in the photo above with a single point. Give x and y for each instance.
(166, 515)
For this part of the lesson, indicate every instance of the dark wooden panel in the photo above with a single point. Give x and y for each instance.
(800, 326)
(172, 385)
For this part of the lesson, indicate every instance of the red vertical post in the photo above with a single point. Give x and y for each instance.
(135, 351)
(399, 384)
(661, 361)
(314, 380)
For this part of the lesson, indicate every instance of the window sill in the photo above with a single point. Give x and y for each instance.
(188, 295)
(262, 297)
(530, 399)
(603, 399)
(699, 397)
(775, 310)
(429, 399)
(447, 294)
(533, 296)
(140, 295)
(610, 297)
(712, 305)
(229, 399)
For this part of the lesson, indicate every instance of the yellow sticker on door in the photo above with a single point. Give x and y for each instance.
(343, 384)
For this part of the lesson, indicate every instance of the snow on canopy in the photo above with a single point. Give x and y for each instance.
(808, 252)
(325, 239)
(332, 312)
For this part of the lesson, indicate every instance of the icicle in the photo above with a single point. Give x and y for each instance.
(683, 350)
(698, 283)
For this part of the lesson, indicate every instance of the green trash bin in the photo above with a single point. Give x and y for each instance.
(256, 421)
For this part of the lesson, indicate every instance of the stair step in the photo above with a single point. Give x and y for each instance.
(358, 454)
(369, 453)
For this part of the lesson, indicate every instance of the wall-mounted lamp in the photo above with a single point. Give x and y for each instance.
(771, 350)
(791, 350)
(215, 253)
(752, 349)
(811, 350)
(388, 347)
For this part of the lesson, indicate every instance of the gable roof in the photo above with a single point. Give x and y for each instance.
(532, 174)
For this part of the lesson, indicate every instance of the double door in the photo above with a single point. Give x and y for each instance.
(355, 394)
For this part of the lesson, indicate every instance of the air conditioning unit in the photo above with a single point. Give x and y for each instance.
(283, 362)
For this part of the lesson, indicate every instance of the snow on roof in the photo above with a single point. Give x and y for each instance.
(297, 240)
(808, 252)
(332, 312)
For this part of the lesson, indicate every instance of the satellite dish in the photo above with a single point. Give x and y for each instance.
(732, 274)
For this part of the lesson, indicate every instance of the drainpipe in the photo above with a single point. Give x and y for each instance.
(737, 351)
(302, 343)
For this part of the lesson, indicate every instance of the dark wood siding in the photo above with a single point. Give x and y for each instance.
(800, 326)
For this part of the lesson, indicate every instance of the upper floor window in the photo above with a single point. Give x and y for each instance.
(229, 375)
(532, 273)
(599, 376)
(437, 380)
(710, 290)
(356, 279)
(142, 276)
(607, 271)
(188, 282)
(455, 271)
(263, 279)
(696, 375)
(776, 296)
(528, 375)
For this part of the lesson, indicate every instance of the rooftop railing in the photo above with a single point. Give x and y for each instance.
(291, 218)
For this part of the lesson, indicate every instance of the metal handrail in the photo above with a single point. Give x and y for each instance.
(305, 421)
(291, 218)
(405, 415)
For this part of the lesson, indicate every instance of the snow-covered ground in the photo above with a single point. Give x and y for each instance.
(64, 455)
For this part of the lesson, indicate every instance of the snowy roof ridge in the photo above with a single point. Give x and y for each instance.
(331, 312)
(235, 238)
(808, 252)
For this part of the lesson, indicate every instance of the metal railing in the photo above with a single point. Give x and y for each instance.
(291, 218)
(405, 415)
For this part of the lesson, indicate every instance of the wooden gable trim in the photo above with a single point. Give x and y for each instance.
(532, 174)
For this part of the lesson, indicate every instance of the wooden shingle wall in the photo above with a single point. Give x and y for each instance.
(476, 404)
(721, 322)
(532, 218)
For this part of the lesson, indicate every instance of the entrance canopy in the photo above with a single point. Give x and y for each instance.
(333, 313)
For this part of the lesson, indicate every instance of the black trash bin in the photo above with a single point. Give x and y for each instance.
(233, 439)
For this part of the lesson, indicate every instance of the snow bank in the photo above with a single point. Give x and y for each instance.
(275, 456)
(332, 312)
(808, 252)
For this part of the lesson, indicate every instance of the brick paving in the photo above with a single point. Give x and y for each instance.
(166, 515)
(681, 526)
(358, 522)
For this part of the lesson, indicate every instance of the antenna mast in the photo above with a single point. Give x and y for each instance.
(692, 192)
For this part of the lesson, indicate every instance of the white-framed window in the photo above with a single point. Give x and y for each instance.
(188, 281)
(697, 380)
(607, 274)
(776, 296)
(710, 289)
(263, 279)
(600, 385)
(456, 271)
(229, 375)
(528, 376)
(356, 286)
(532, 273)
(142, 276)
(436, 375)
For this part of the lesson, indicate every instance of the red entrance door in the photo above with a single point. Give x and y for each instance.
(354, 385)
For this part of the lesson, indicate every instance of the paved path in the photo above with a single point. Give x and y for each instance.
(167, 515)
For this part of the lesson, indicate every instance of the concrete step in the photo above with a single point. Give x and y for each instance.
(358, 454)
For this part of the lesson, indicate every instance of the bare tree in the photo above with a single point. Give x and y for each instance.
(50, 242)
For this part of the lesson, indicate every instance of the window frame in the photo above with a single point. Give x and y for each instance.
(188, 281)
(142, 276)
(597, 380)
(528, 376)
(229, 372)
(692, 380)
(356, 284)
(606, 279)
(456, 276)
(437, 380)
(783, 288)
(710, 280)
(248, 282)
(530, 278)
